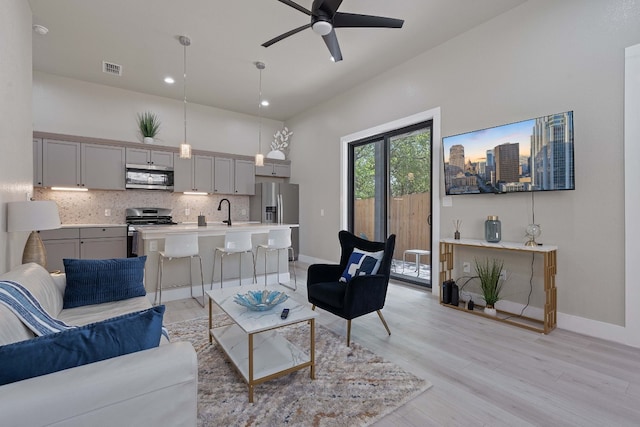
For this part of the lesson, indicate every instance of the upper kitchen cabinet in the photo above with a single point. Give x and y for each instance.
(72, 164)
(195, 174)
(223, 176)
(37, 162)
(279, 170)
(245, 177)
(143, 156)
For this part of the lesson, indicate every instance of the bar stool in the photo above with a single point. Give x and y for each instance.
(235, 242)
(278, 240)
(178, 246)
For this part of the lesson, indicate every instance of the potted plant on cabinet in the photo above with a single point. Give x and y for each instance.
(488, 272)
(149, 125)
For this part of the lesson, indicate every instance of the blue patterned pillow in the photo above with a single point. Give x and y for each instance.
(82, 345)
(361, 263)
(96, 281)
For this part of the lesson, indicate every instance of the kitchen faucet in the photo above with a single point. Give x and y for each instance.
(228, 221)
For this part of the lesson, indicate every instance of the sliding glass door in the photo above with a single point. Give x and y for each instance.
(390, 193)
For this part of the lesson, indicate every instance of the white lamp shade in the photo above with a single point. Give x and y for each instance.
(32, 215)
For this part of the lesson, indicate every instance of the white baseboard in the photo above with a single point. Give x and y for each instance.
(569, 322)
(184, 292)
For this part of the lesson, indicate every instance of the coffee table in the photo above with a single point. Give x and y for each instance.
(252, 344)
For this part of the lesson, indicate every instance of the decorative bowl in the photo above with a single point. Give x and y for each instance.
(260, 300)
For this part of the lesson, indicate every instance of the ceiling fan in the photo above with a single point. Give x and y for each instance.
(325, 18)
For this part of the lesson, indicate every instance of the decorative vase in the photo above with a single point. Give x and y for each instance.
(490, 311)
(275, 154)
(147, 140)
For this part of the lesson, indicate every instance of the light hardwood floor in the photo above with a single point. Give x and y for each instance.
(486, 373)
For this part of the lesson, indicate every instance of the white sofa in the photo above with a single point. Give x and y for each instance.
(155, 387)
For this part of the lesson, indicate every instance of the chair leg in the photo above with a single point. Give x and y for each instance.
(201, 281)
(384, 321)
(313, 307)
(157, 299)
(349, 333)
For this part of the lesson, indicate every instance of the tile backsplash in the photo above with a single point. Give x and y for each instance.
(89, 207)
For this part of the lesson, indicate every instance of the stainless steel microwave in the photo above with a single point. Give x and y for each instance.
(149, 177)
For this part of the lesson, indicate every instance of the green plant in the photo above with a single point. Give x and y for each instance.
(149, 124)
(489, 273)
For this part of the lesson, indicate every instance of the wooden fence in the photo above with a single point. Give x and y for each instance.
(408, 221)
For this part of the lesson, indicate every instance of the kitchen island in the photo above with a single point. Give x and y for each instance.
(150, 240)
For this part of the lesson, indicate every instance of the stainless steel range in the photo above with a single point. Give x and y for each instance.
(144, 217)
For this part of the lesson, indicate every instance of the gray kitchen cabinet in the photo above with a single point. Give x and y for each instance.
(83, 243)
(223, 176)
(74, 164)
(244, 177)
(279, 170)
(60, 163)
(145, 156)
(103, 242)
(102, 167)
(37, 162)
(59, 244)
(195, 174)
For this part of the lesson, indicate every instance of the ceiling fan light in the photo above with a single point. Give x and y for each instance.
(322, 28)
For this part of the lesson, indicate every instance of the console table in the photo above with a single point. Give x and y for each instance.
(548, 323)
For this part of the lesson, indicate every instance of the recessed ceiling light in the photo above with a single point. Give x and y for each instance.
(264, 103)
(40, 29)
(169, 80)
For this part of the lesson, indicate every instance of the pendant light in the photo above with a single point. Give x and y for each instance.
(259, 157)
(185, 147)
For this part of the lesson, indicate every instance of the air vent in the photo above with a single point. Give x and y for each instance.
(111, 68)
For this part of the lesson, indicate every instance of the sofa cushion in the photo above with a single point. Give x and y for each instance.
(96, 281)
(361, 263)
(80, 346)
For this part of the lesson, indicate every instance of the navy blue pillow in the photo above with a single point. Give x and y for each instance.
(96, 281)
(361, 263)
(82, 345)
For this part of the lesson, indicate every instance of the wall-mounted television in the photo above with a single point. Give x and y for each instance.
(531, 155)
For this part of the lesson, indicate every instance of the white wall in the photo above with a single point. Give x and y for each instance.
(74, 107)
(16, 160)
(540, 58)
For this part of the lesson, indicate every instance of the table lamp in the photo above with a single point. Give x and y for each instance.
(33, 216)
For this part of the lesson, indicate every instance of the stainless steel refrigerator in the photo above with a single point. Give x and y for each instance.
(276, 203)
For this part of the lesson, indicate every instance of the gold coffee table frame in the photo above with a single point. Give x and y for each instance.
(266, 354)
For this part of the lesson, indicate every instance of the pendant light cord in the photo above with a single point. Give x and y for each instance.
(260, 112)
(185, 92)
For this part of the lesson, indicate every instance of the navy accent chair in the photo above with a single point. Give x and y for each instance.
(362, 294)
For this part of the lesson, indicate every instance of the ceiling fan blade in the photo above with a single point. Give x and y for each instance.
(285, 35)
(296, 6)
(329, 7)
(343, 20)
(331, 40)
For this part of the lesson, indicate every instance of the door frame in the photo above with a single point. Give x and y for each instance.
(436, 161)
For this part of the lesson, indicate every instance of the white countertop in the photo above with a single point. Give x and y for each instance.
(217, 229)
(92, 225)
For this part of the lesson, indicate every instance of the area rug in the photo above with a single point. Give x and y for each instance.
(353, 386)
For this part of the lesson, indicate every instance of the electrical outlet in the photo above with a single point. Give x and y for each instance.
(466, 267)
(321, 212)
(503, 274)
(243, 211)
(187, 212)
(107, 212)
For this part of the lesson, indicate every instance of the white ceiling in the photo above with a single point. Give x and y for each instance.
(226, 38)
